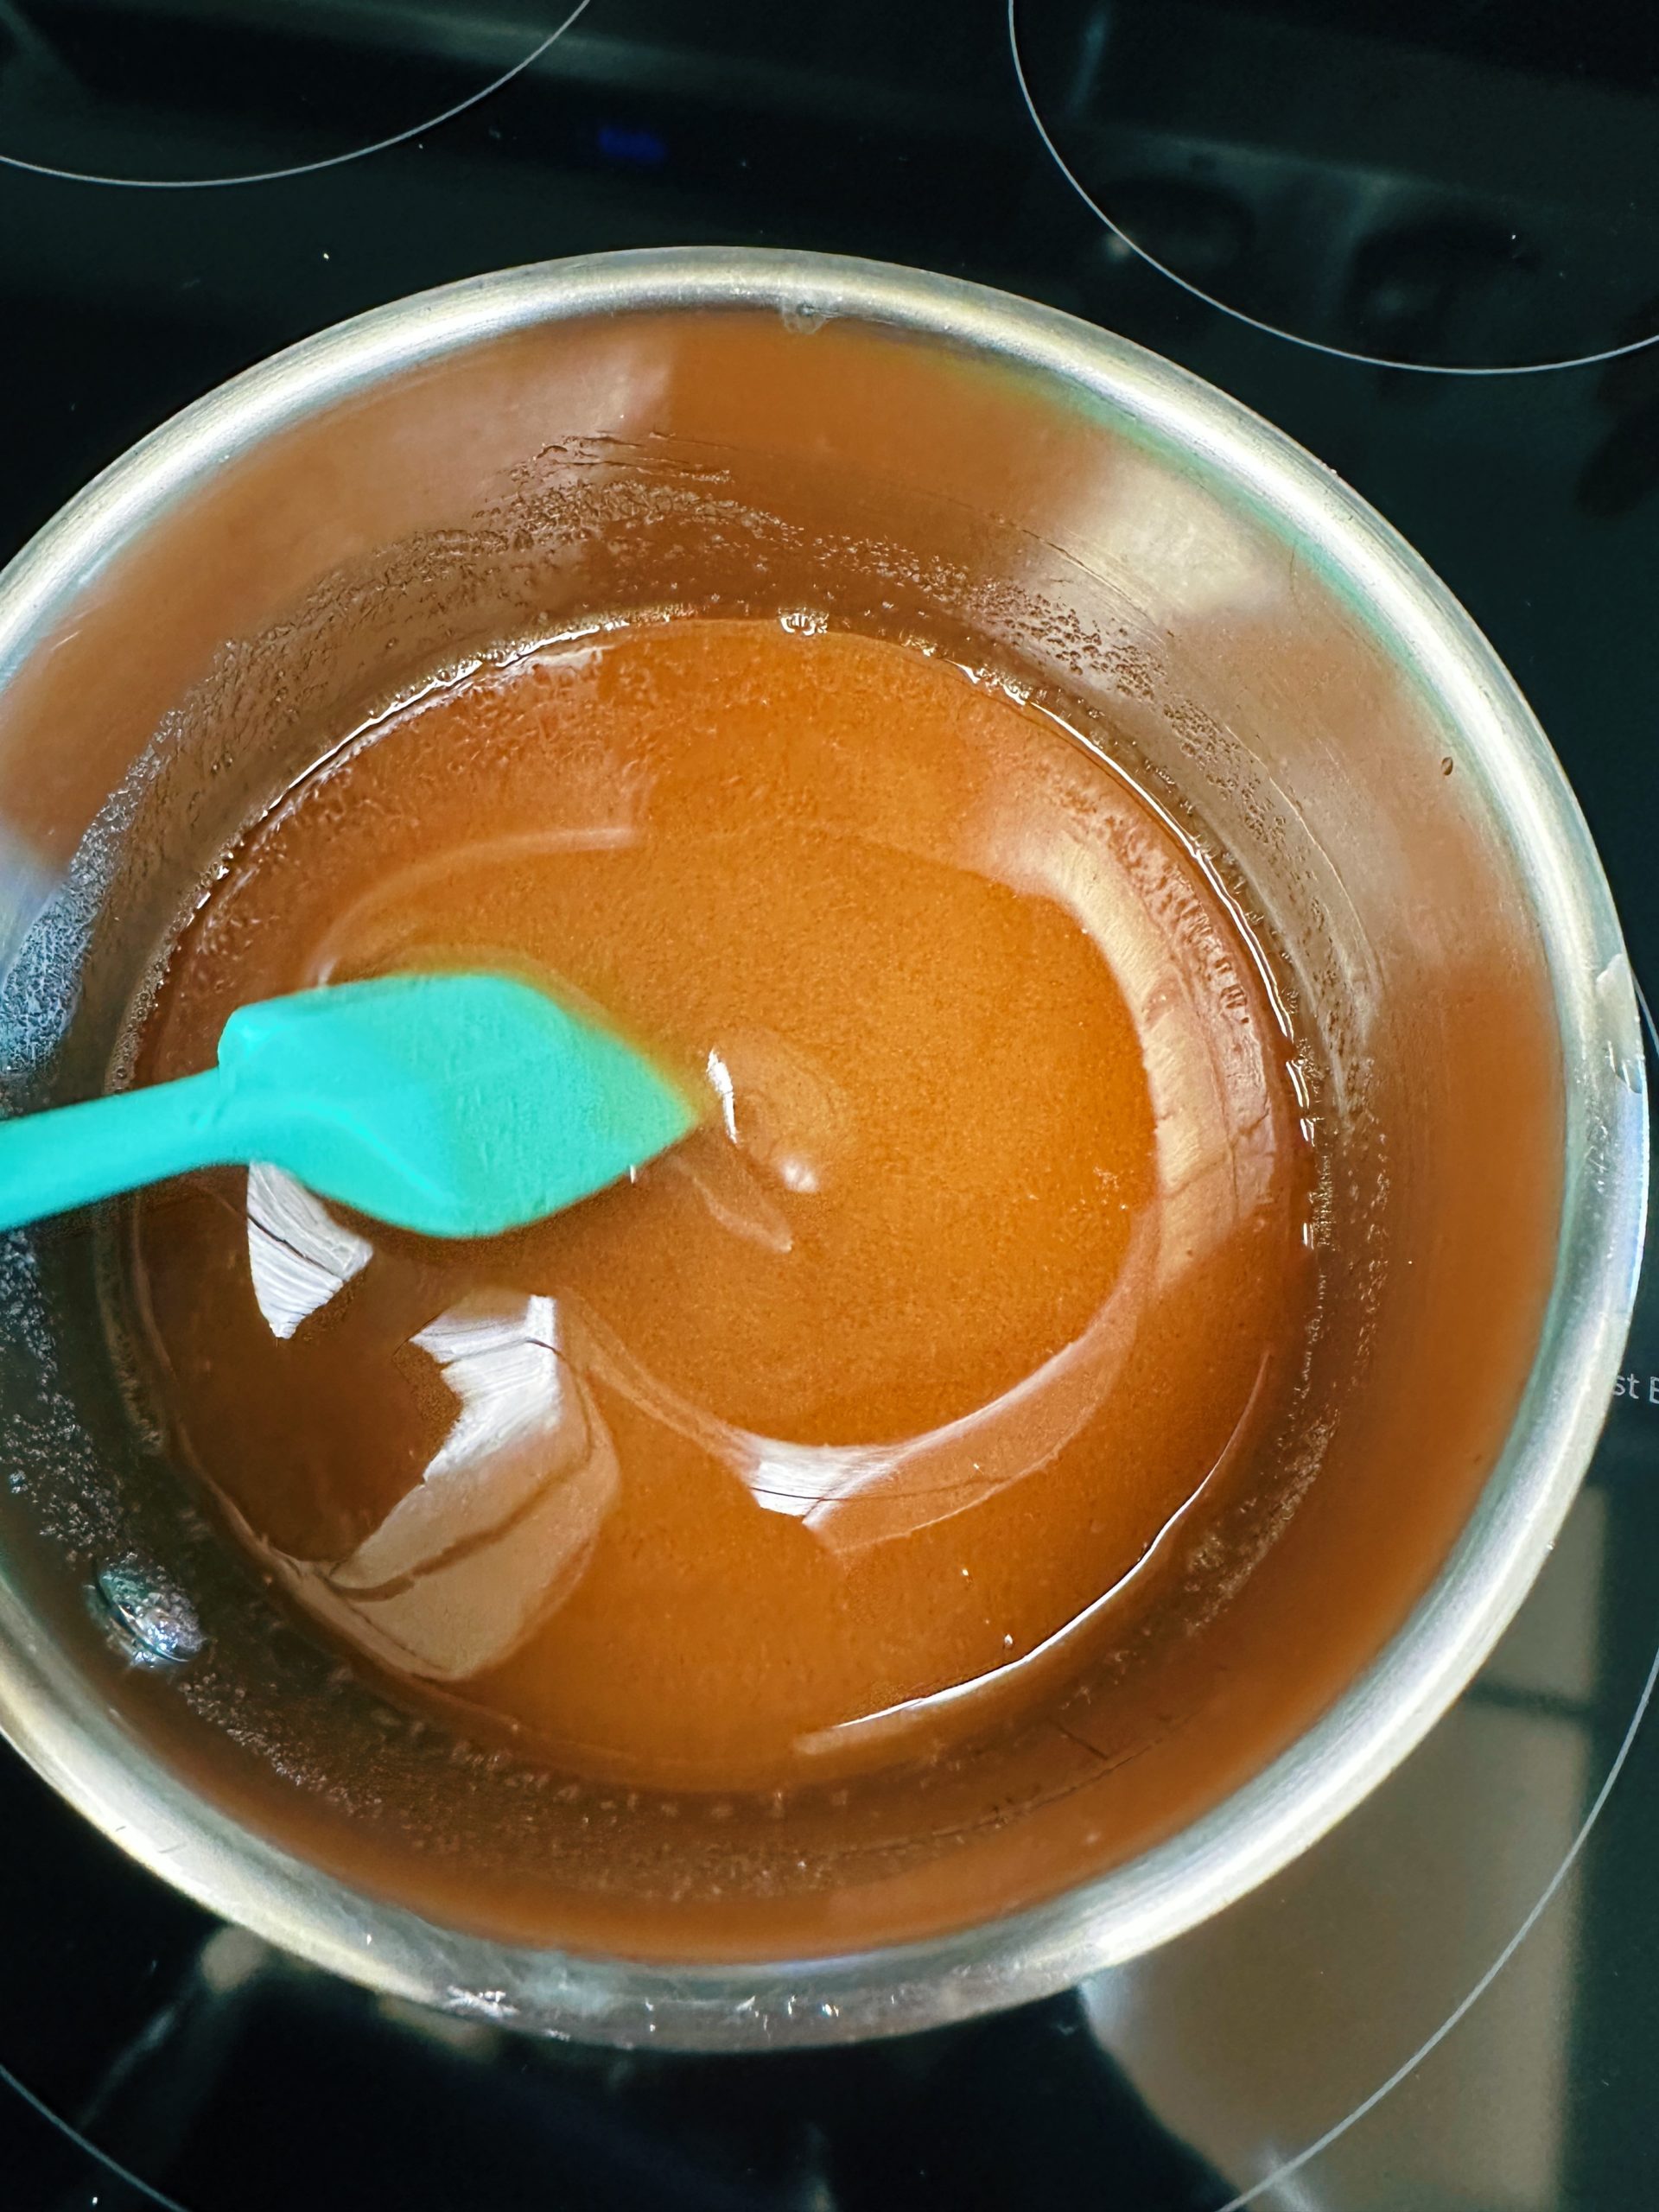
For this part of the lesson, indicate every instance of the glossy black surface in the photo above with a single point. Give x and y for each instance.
(1454, 184)
(231, 2080)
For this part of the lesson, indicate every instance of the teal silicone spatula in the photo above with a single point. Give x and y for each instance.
(457, 1105)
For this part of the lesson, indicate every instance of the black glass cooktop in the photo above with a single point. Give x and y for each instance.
(1424, 239)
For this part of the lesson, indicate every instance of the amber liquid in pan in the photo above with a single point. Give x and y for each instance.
(865, 1412)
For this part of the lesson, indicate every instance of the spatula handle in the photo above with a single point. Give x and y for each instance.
(73, 1154)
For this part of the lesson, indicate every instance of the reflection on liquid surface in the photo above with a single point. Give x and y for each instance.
(877, 1401)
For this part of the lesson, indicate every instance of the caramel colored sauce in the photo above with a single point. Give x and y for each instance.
(852, 1421)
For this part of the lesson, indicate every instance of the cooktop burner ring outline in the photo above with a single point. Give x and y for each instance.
(1260, 323)
(105, 2159)
(1467, 2003)
(326, 161)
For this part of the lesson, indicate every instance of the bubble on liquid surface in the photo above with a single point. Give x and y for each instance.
(154, 1622)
